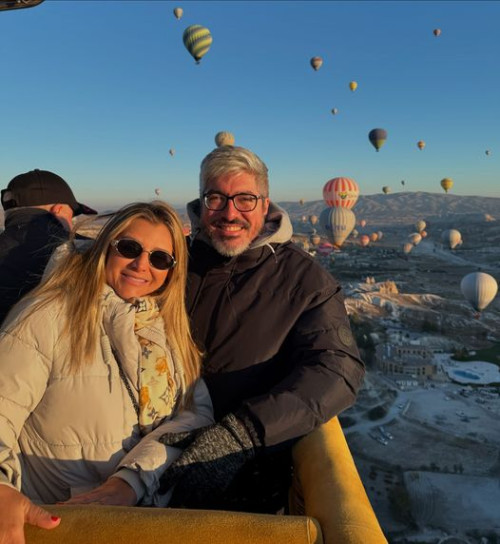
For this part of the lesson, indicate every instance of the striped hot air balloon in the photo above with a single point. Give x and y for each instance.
(197, 40)
(341, 192)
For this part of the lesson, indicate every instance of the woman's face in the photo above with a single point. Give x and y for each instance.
(133, 278)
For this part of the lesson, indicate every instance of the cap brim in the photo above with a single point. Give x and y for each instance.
(83, 209)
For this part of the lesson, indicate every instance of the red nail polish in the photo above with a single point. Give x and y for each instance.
(55, 518)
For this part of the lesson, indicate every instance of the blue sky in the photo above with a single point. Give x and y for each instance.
(99, 91)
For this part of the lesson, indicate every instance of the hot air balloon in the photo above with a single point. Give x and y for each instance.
(420, 225)
(178, 13)
(197, 40)
(364, 240)
(488, 152)
(407, 247)
(157, 191)
(414, 238)
(172, 152)
(362, 223)
(373, 237)
(342, 221)
(377, 137)
(386, 190)
(316, 63)
(313, 219)
(353, 86)
(304, 219)
(423, 234)
(436, 31)
(403, 182)
(380, 234)
(451, 238)
(301, 201)
(479, 289)
(335, 111)
(325, 248)
(446, 184)
(421, 144)
(341, 192)
(354, 233)
(224, 138)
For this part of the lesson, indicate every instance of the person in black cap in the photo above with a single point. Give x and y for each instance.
(39, 208)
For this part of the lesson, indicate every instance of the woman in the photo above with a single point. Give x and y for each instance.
(95, 364)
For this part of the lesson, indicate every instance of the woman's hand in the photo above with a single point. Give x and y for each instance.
(16, 510)
(113, 492)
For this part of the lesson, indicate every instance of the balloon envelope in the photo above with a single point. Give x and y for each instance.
(479, 289)
(172, 152)
(341, 192)
(420, 225)
(421, 144)
(197, 40)
(452, 238)
(178, 12)
(364, 240)
(407, 247)
(224, 138)
(446, 184)
(415, 238)
(353, 85)
(316, 63)
(386, 189)
(436, 31)
(377, 137)
(335, 111)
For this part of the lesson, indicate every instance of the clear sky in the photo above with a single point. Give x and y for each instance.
(99, 91)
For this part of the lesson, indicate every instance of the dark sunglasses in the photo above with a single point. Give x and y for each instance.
(131, 249)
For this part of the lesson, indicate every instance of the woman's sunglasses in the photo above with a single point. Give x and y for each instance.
(131, 249)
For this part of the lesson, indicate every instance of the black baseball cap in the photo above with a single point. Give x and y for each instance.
(39, 187)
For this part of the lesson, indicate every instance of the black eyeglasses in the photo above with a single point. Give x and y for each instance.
(131, 249)
(243, 202)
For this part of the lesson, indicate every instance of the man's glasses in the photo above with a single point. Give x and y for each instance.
(243, 202)
(131, 249)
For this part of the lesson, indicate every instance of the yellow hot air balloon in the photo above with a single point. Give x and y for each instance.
(316, 63)
(446, 184)
(197, 40)
(224, 138)
(178, 13)
(420, 225)
(421, 144)
(353, 85)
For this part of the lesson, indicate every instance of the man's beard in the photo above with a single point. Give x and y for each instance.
(224, 247)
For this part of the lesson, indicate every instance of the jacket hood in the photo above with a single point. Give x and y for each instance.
(277, 226)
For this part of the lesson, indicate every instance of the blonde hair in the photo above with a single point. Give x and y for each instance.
(77, 282)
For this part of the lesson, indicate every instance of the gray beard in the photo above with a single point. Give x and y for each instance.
(221, 248)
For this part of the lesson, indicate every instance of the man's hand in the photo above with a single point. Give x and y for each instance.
(113, 492)
(15, 511)
(212, 458)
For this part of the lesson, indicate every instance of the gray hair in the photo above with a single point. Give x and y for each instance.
(230, 159)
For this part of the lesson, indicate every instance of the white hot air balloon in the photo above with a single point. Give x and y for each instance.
(341, 221)
(451, 238)
(479, 289)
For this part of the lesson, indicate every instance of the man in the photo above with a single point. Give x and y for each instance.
(280, 356)
(39, 207)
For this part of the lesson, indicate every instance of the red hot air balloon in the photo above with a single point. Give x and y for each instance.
(341, 192)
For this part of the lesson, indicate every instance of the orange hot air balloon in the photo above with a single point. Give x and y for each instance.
(364, 240)
(436, 32)
(423, 234)
(421, 144)
(341, 192)
(316, 63)
(353, 86)
(446, 184)
(373, 237)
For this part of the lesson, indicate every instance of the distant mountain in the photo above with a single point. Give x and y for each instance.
(407, 207)
(401, 208)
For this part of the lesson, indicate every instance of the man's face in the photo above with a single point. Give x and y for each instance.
(230, 230)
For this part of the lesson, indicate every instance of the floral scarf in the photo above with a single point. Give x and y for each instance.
(157, 387)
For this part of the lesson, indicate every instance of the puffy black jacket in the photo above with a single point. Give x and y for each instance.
(29, 238)
(276, 333)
